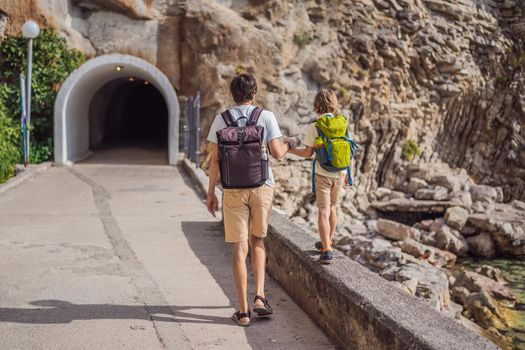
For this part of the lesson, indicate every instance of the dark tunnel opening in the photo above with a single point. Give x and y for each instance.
(128, 112)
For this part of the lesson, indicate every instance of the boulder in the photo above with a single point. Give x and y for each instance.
(483, 193)
(462, 197)
(475, 282)
(376, 253)
(432, 284)
(397, 231)
(482, 245)
(469, 231)
(415, 206)
(484, 310)
(382, 192)
(518, 205)
(415, 184)
(460, 295)
(438, 258)
(456, 217)
(510, 238)
(482, 222)
(451, 240)
(491, 272)
(451, 182)
(438, 193)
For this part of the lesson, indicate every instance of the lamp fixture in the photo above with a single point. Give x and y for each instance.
(30, 30)
(119, 68)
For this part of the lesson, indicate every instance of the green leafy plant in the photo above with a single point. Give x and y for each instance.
(302, 38)
(53, 61)
(9, 145)
(240, 70)
(410, 150)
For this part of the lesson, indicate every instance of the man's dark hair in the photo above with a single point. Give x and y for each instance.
(243, 88)
(428, 251)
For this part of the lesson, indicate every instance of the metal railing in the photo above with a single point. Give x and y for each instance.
(192, 128)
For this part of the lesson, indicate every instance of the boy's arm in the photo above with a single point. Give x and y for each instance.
(307, 152)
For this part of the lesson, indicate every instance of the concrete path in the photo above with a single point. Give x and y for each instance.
(123, 256)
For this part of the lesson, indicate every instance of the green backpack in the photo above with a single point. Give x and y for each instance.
(338, 148)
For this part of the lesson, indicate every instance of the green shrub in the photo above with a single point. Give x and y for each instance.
(302, 38)
(53, 61)
(9, 145)
(410, 150)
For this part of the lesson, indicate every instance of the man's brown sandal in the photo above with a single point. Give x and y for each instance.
(238, 316)
(262, 310)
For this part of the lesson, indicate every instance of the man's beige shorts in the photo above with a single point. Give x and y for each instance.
(246, 212)
(327, 190)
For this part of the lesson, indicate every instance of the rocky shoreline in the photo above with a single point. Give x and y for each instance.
(428, 208)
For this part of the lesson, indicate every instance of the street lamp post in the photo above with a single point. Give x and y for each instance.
(30, 31)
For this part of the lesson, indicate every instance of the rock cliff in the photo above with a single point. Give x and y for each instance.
(445, 73)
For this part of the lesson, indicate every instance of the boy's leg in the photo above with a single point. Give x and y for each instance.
(334, 196)
(240, 275)
(323, 224)
(333, 220)
(258, 265)
(323, 191)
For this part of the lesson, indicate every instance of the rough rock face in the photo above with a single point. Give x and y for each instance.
(447, 74)
(148, 29)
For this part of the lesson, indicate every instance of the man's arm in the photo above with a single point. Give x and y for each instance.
(278, 148)
(213, 202)
(306, 152)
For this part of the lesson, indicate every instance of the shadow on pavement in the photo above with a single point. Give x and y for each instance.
(60, 312)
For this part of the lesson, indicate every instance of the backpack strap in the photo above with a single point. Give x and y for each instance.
(349, 175)
(228, 118)
(313, 174)
(319, 132)
(254, 116)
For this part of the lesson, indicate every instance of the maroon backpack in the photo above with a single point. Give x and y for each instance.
(243, 161)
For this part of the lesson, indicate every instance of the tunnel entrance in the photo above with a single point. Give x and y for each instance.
(118, 102)
(128, 112)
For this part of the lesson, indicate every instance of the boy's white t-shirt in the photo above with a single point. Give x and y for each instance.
(309, 140)
(266, 119)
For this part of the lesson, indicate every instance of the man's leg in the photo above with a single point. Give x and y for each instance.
(258, 265)
(323, 224)
(240, 275)
(260, 207)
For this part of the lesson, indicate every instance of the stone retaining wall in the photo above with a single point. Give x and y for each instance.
(355, 307)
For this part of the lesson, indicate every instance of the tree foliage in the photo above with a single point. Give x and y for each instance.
(53, 61)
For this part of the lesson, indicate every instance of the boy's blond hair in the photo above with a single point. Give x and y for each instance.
(325, 101)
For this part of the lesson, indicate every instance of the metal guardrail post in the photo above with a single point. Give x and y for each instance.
(197, 108)
(192, 128)
(186, 127)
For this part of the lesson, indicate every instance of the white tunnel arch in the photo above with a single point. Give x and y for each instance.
(71, 132)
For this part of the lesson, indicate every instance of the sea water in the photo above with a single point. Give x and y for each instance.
(514, 272)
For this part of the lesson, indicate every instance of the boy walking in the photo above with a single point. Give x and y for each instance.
(328, 137)
(240, 138)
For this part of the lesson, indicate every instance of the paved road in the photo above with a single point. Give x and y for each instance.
(124, 256)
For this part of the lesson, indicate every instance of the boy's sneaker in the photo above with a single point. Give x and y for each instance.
(326, 257)
(319, 245)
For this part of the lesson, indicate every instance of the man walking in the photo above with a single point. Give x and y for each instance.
(240, 139)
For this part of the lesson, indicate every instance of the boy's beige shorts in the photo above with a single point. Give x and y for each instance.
(246, 212)
(327, 190)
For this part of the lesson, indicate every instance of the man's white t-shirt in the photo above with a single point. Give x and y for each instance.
(266, 119)
(309, 140)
